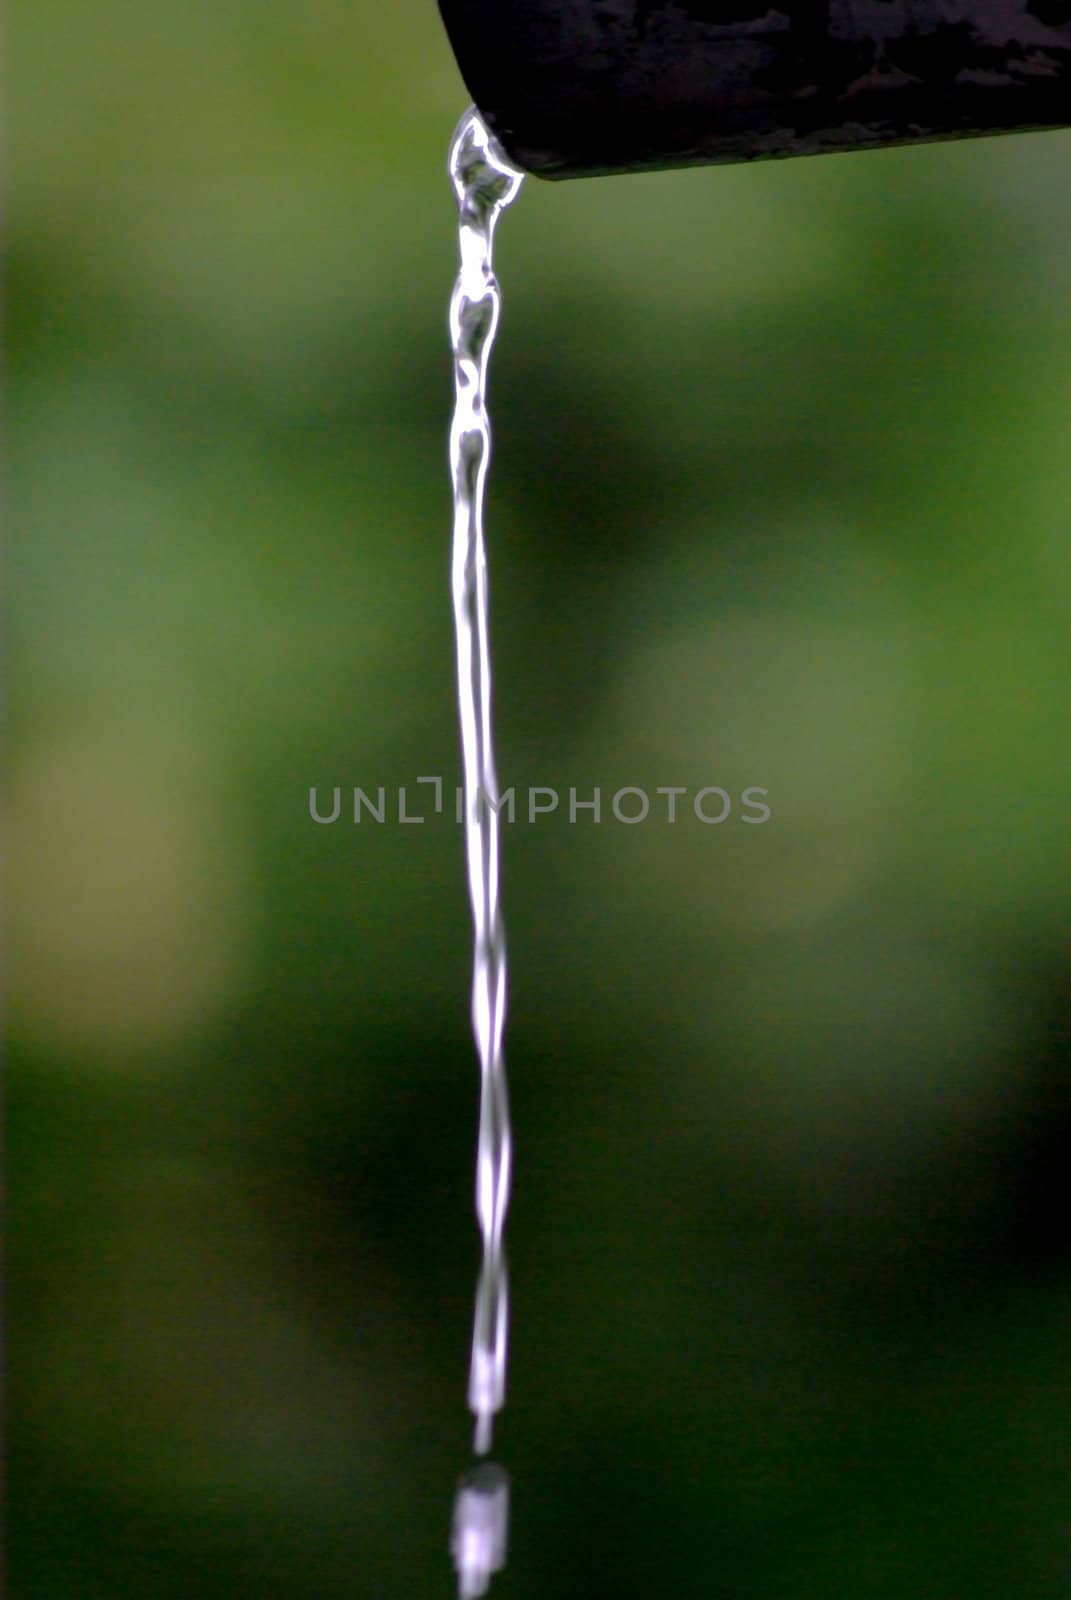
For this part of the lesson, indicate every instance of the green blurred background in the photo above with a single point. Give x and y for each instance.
(782, 496)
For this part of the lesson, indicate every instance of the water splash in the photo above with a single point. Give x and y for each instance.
(485, 184)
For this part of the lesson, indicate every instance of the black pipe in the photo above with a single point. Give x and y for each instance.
(572, 88)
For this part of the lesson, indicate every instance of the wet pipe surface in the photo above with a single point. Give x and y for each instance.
(628, 85)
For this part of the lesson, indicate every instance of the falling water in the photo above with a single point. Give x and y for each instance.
(480, 1529)
(485, 183)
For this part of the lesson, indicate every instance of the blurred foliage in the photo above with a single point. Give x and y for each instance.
(781, 497)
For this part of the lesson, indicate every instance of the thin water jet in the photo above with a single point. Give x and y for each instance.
(485, 183)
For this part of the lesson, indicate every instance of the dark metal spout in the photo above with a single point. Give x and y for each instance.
(574, 88)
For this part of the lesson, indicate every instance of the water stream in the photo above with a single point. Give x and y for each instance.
(485, 184)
